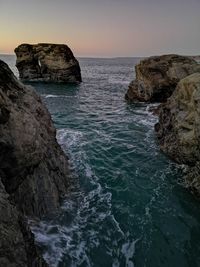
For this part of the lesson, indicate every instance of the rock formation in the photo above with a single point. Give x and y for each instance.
(157, 77)
(17, 246)
(178, 130)
(47, 62)
(34, 170)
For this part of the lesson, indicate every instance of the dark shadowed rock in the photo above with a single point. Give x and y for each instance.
(178, 130)
(157, 77)
(34, 170)
(32, 165)
(47, 62)
(17, 246)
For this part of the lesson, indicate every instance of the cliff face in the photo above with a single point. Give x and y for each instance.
(174, 80)
(47, 62)
(178, 130)
(33, 169)
(17, 246)
(157, 77)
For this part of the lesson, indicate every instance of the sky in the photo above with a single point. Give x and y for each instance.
(103, 28)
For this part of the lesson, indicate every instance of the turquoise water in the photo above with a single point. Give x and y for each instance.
(126, 206)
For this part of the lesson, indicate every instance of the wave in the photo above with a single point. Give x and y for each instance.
(56, 96)
(85, 212)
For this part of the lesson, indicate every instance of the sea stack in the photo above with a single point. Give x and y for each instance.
(178, 129)
(47, 63)
(157, 77)
(34, 172)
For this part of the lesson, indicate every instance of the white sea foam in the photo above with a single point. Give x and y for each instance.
(69, 137)
(92, 207)
(61, 240)
(128, 250)
(56, 96)
(50, 96)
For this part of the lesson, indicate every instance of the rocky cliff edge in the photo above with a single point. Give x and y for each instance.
(34, 171)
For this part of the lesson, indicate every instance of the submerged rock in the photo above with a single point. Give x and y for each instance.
(47, 62)
(178, 130)
(157, 77)
(34, 170)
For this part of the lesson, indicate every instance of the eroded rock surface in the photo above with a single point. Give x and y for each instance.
(34, 173)
(17, 246)
(157, 77)
(47, 62)
(178, 130)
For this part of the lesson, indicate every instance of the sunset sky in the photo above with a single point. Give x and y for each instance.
(103, 28)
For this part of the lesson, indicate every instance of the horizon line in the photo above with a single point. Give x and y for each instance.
(115, 57)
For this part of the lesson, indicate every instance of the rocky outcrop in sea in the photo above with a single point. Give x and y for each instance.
(34, 172)
(157, 77)
(175, 81)
(178, 129)
(47, 62)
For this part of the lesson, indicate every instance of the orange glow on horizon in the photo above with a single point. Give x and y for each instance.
(103, 28)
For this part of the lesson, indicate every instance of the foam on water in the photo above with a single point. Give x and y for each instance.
(126, 205)
(55, 96)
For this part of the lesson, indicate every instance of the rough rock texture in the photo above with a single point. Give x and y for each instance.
(178, 130)
(47, 62)
(17, 246)
(32, 165)
(33, 169)
(157, 77)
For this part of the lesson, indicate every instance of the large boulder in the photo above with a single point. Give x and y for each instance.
(178, 129)
(47, 62)
(157, 77)
(34, 171)
(33, 167)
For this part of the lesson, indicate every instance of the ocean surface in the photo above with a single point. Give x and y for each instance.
(126, 206)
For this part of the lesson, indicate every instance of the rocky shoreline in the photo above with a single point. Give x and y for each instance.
(175, 81)
(178, 129)
(34, 171)
(157, 77)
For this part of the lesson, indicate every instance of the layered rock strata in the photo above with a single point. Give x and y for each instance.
(157, 77)
(34, 171)
(47, 62)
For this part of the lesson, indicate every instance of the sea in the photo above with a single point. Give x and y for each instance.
(126, 205)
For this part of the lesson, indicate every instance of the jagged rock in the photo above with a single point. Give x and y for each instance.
(157, 77)
(178, 130)
(17, 246)
(47, 62)
(34, 172)
(33, 167)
